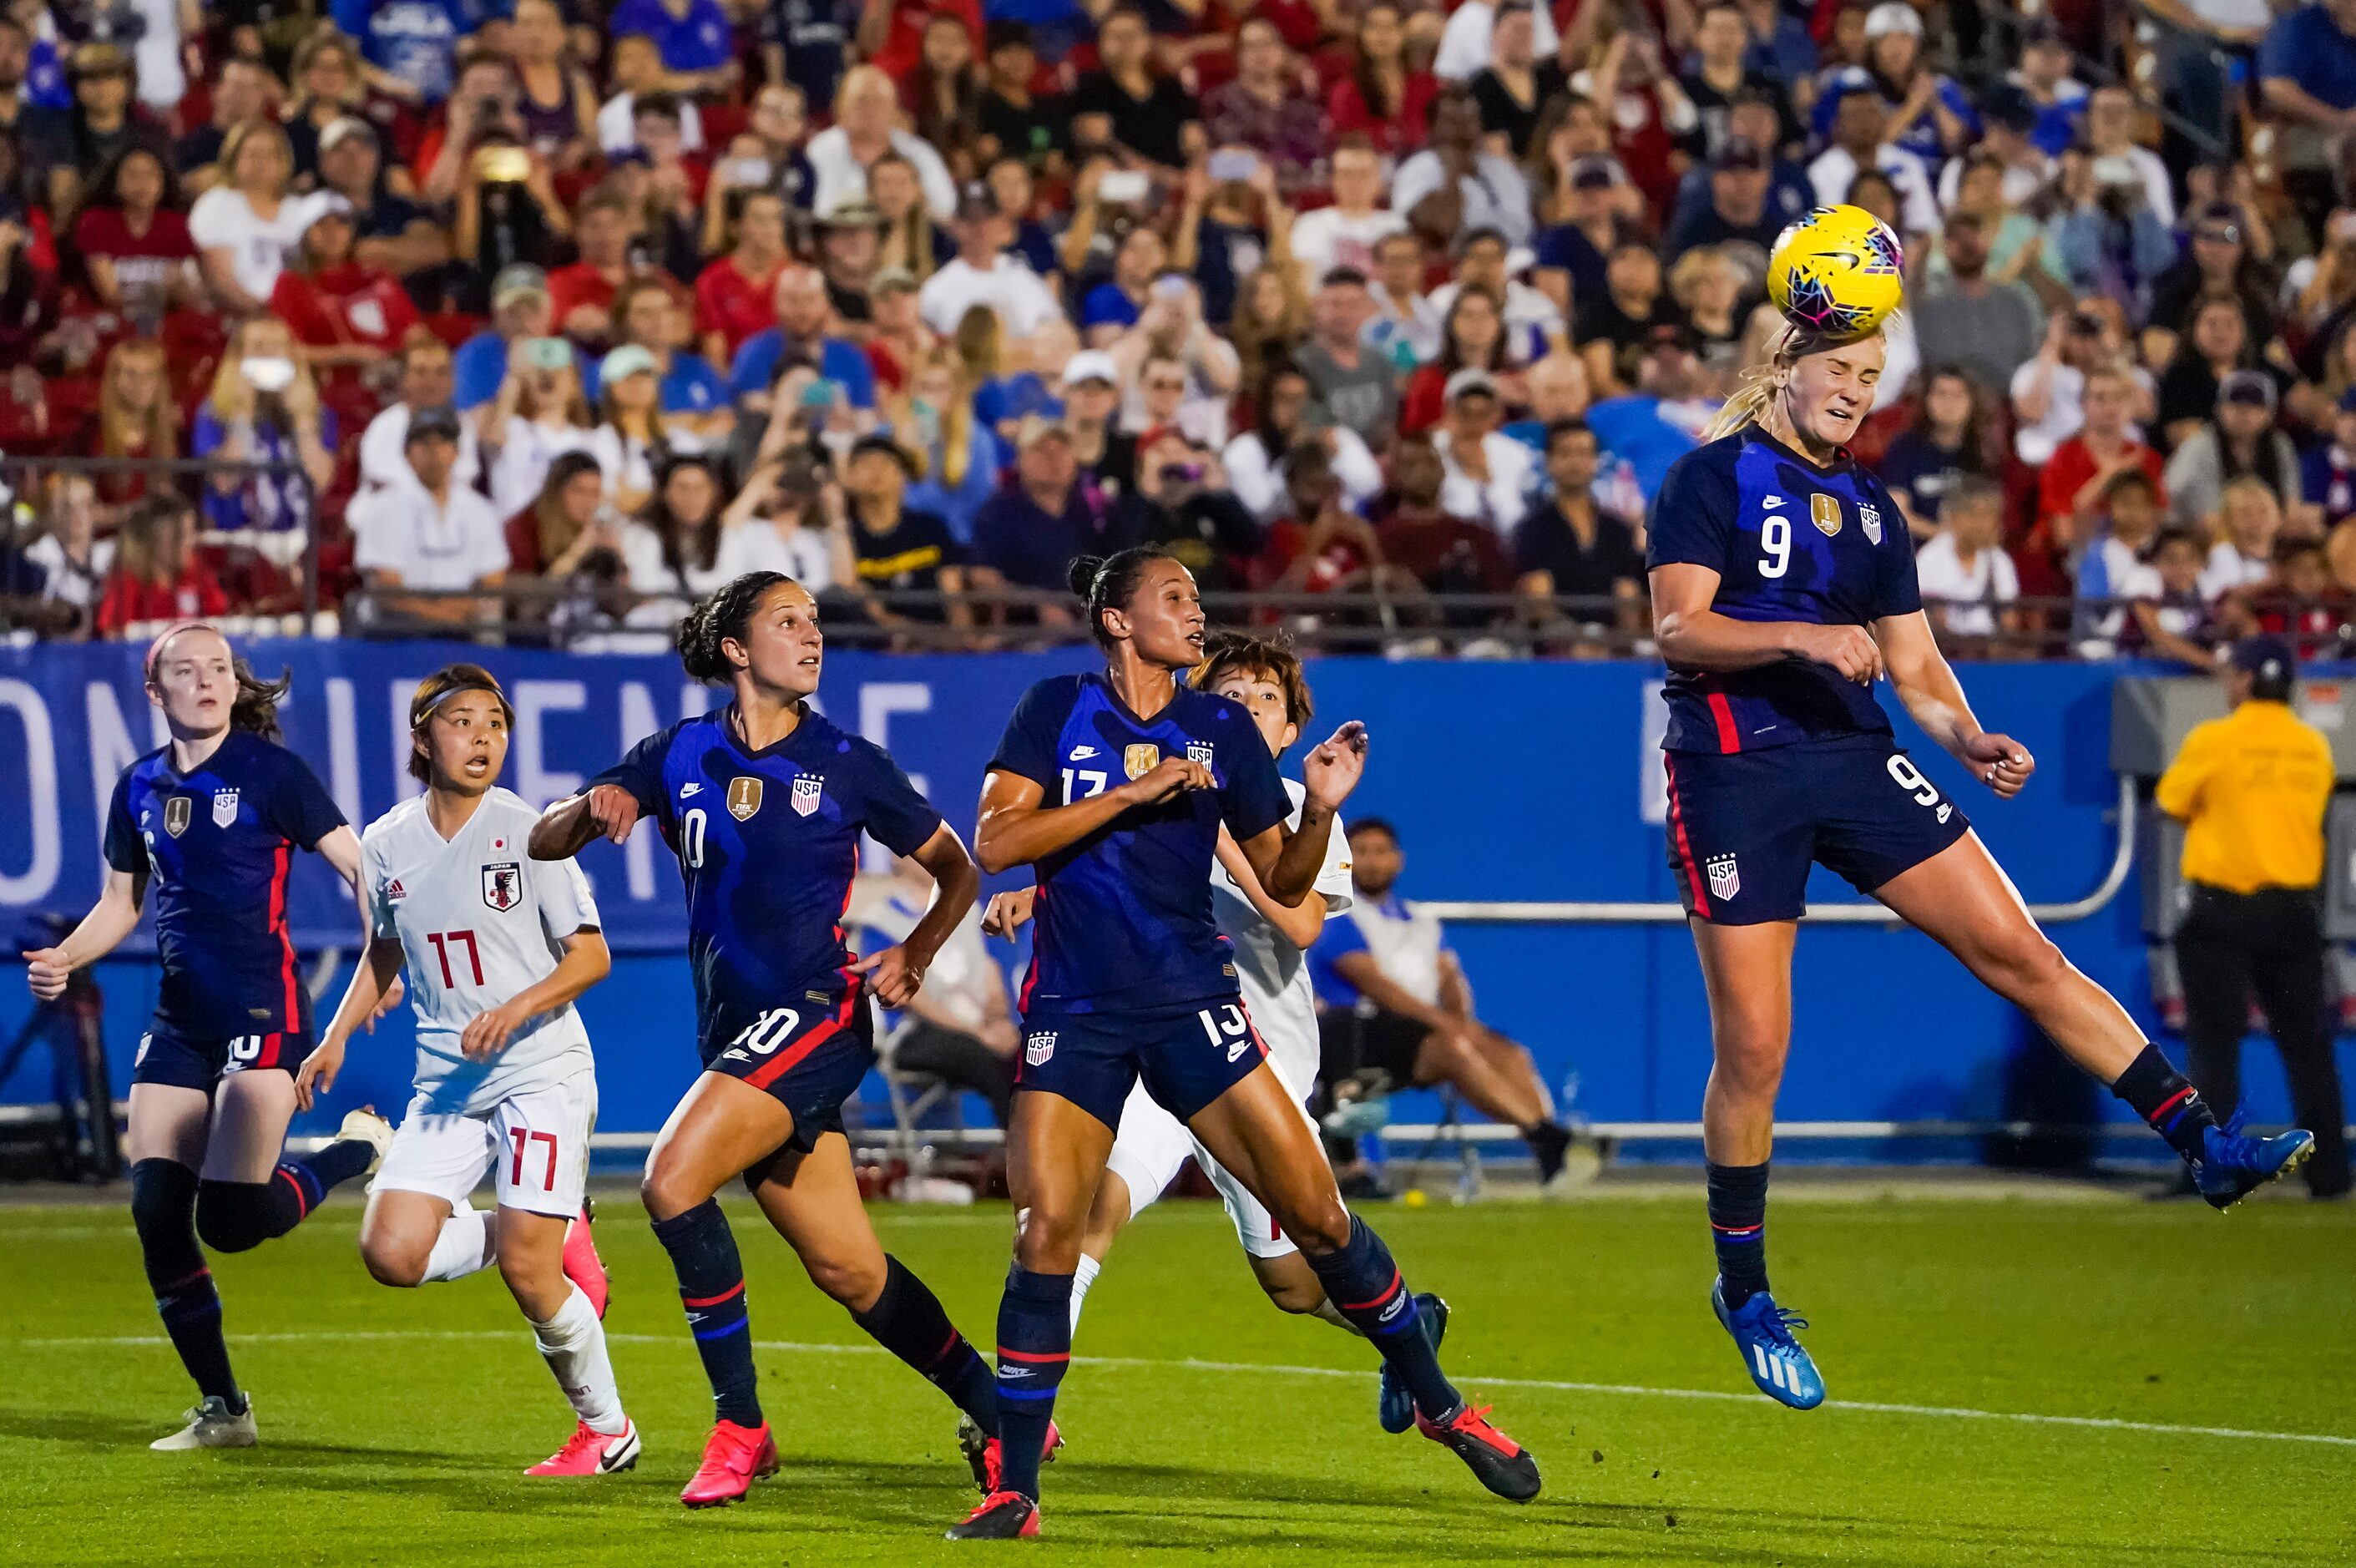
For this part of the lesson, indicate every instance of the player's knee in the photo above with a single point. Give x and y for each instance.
(537, 1282)
(1318, 1227)
(1049, 1244)
(233, 1216)
(392, 1261)
(855, 1283)
(666, 1196)
(2025, 962)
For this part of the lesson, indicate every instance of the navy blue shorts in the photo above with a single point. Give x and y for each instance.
(809, 1056)
(1188, 1053)
(1744, 828)
(166, 1056)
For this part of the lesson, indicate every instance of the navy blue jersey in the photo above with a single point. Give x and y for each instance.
(767, 843)
(1124, 916)
(216, 845)
(1790, 542)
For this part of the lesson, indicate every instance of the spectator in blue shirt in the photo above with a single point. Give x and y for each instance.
(412, 45)
(800, 338)
(1639, 429)
(646, 313)
(1026, 535)
(520, 309)
(2059, 97)
(1113, 306)
(1781, 44)
(698, 51)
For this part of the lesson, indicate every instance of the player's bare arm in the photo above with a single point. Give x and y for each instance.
(1695, 637)
(565, 829)
(375, 990)
(1288, 860)
(1299, 923)
(1926, 683)
(1008, 912)
(897, 973)
(585, 961)
(114, 916)
(1016, 829)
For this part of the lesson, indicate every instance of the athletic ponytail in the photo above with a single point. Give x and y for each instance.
(1108, 583)
(721, 617)
(1785, 347)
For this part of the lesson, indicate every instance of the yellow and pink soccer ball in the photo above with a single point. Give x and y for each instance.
(1837, 273)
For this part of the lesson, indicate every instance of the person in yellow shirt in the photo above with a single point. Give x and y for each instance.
(2252, 789)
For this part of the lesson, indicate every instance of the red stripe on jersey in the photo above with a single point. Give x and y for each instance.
(1730, 739)
(777, 1066)
(286, 974)
(1031, 970)
(1677, 830)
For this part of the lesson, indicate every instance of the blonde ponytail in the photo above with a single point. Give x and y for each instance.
(1785, 347)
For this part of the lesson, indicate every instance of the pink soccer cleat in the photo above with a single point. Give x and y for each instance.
(583, 1266)
(589, 1452)
(987, 1458)
(733, 1458)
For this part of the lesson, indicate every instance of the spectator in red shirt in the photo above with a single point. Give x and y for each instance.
(2072, 488)
(581, 295)
(732, 294)
(157, 574)
(552, 535)
(943, 95)
(134, 239)
(892, 32)
(346, 314)
(1382, 99)
(135, 417)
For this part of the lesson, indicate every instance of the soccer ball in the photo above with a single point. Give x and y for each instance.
(1839, 272)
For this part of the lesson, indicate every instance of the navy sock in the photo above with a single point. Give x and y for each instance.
(2167, 1101)
(909, 1320)
(1363, 1282)
(712, 1288)
(339, 1163)
(1034, 1347)
(163, 1212)
(1737, 1229)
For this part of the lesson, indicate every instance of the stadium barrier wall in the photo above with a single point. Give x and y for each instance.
(1507, 781)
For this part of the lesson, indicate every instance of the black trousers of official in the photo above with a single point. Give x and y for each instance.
(2269, 943)
(960, 1059)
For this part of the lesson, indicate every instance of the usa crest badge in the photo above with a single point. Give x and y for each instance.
(1039, 1048)
(807, 789)
(1725, 880)
(224, 808)
(744, 796)
(503, 884)
(177, 809)
(1825, 512)
(1869, 519)
(1200, 751)
(1141, 758)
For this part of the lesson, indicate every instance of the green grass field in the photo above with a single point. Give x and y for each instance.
(395, 1423)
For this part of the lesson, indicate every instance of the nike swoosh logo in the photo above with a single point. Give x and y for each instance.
(687, 789)
(1772, 502)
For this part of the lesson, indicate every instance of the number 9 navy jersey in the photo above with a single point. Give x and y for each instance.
(1790, 542)
(768, 843)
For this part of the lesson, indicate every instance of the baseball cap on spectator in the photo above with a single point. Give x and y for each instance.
(1471, 383)
(2042, 32)
(1847, 79)
(1091, 365)
(2252, 387)
(2270, 664)
(1036, 429)
(518, 280)
(1892, 16)
(440, 420)
(892, 279)
(98, 58)
(1008, 34)
(2007, 103)
(856, 213)
(629, 360)
(343, 130)
(328, 204)
(1739, 153)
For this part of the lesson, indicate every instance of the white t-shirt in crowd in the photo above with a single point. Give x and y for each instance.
(628, 462)
(1969, 591)
(1405, 942)
(384, 452)
(1464, 50)
(2229, 569)
(526, 450)
(2065, 411)
(435, 549)
(1532, 321)
(1009, 287)
(838, 177)
(258, 247)
(617, 125)
(82, 586)
(479, 922)
(1256, 476)
(1501, 503)
(756, 545)
(1328, 238)
(1835, 169)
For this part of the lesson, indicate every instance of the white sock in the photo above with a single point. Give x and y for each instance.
(1084, 1274)
(574, 1344)
(466, 1244)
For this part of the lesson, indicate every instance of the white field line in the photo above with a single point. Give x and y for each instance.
(1265, 1368)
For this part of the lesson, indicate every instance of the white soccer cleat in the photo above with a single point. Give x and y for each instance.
(366, 1126)
(212, 1425)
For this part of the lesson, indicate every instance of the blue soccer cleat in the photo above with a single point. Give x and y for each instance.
(1394, 1406)
(1775, 1361)
(2233, 1166)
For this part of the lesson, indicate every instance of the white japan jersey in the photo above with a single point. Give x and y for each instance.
(1272, 973)
(479, 922)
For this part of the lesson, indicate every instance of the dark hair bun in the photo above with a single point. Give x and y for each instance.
(1082, 575)
(722, 614)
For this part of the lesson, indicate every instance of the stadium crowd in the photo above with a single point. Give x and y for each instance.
(541, 317)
